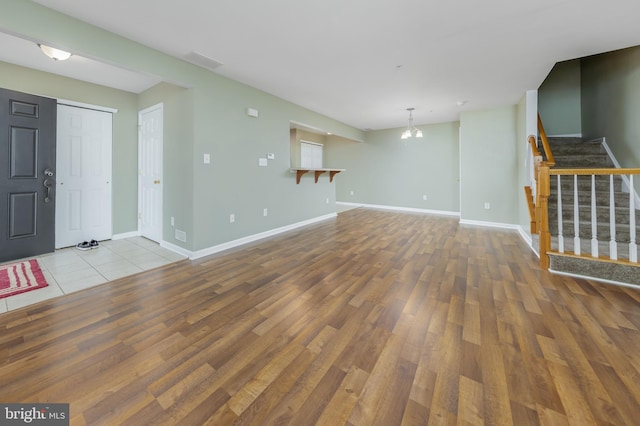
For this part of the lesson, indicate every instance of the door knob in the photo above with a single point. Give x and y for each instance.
(48, 183)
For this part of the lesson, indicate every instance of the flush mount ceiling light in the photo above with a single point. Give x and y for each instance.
(411, 130)
(55, 54)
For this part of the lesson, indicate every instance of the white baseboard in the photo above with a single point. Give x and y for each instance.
(587, 277)
(568, 135)
(176, 249)
(490, 224)
(626, 183)
(525, 236)
(125, 235)
(402, 209)
(251, 238)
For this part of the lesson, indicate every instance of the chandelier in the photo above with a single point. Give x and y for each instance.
(411, 130)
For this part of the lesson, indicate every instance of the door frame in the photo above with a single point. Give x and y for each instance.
(159, 106)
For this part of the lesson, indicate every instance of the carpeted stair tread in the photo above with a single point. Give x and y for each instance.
(597, 268)
(584, 199)
(587, 161)
(602, 183)
(602, 230)
(584, 214)
(563, 149)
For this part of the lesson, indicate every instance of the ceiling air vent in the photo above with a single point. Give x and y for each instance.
(202, 61)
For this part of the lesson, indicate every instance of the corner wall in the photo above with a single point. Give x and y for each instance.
(611, 102)
(559, 100)
(489, 166)
(386, 170)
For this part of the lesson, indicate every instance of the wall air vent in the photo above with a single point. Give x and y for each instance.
(202, 61)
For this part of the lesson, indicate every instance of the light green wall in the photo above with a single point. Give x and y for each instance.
(235, 184)
(611, 102)
(125, 130)
(489, 166)
(216, 123)
(559, 100)
(386, 170)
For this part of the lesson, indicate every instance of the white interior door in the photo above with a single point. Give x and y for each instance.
(150, 139)
(83, 182)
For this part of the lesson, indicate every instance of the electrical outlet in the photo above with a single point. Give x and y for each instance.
(487, 205)
(207, 158)
(264, 212)
(173, 221)
(424, 197)
(271, 156)
(232, 218)
(352, 193)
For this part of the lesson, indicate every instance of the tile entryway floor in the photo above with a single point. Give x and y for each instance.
(68, 270)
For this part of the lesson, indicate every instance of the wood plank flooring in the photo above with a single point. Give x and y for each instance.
(375, 318)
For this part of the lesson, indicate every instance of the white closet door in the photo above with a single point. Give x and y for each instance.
(83, 182)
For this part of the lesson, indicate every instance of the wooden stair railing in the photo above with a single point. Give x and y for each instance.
(534, 213)
(539, 206)
(545, 143)
(542, 214)
(528, 195)
(544, 182)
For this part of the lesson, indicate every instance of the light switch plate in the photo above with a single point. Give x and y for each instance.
(262, 162)
(207, 158)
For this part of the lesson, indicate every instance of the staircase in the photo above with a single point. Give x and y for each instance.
(575, 153)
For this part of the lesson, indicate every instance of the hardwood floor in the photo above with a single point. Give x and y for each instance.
(375, 318)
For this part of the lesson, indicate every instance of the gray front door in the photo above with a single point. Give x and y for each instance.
(27, 166)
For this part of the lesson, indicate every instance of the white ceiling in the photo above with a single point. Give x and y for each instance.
(364, 62)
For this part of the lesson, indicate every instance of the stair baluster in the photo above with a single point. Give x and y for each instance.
(633, 248)
(560, 228)
(613, 246)
(576, 217)
(594, 219)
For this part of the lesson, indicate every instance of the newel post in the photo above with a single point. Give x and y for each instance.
(545, 235)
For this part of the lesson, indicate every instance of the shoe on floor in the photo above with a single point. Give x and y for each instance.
(93, 244)
(85, 245)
